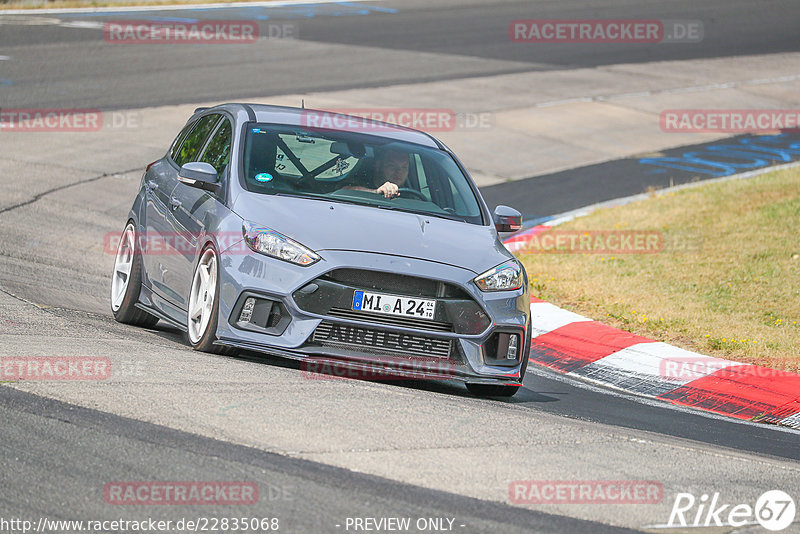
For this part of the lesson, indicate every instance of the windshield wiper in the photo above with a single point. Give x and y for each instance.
(417, 212)
(312, 196)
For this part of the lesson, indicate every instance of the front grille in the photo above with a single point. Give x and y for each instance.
(406, 322)
(400, 284)
(332, 295)
(380, 341)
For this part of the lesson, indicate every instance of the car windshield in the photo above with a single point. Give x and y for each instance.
(351, 167)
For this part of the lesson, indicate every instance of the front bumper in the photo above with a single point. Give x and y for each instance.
(474, 318)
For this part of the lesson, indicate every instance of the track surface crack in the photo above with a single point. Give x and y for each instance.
(43, 194)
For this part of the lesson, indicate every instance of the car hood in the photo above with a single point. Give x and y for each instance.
(324, 225)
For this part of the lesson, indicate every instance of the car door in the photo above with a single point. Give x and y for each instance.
(194, 208)
(161, 250)
(159, 181)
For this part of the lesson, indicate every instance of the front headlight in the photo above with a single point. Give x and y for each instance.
(504, 277)
(271, 243)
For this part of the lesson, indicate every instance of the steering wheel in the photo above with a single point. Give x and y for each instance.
(413, 193)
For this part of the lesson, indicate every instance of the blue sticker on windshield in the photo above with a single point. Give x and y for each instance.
(257, 130)
(263, 177)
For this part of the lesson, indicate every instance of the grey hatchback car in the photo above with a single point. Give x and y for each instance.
(345, 243)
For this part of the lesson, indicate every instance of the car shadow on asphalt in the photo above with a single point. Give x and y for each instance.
(170, 333)
(445, 387)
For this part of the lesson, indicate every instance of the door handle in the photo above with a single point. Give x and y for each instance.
(152, 185)
(175, 203)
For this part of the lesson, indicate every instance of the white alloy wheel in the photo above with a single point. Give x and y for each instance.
(201, 296)
(122, 267)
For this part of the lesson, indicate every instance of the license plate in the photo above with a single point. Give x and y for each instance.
(394, 305)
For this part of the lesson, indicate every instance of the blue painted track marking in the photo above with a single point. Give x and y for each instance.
(732, 158)
(245, 12)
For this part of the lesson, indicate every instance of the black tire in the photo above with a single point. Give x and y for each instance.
(128, 313)
(206, 342)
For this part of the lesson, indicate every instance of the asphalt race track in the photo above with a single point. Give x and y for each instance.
(458, 38)
(325, 450)
(544, 196)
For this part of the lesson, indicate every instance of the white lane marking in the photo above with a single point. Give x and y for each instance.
(576, 100)
(5, 58)
(10, 20)
(546, 317)
(83, 24)
(48, 21)
(178, 7)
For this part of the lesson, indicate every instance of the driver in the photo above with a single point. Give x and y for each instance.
(391, 172)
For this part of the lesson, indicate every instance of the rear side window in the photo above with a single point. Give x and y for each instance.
(218, 151)
(196, 139)
(173, 151)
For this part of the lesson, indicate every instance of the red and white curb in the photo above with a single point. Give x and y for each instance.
(577, 346)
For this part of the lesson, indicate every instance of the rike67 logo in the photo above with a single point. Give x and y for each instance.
(774, 510)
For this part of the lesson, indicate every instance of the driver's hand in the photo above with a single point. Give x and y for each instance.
(389, 190)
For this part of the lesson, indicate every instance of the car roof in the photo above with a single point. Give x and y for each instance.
(305, 117)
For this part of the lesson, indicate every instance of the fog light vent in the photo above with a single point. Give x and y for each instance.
(247, 310)
(260, 314)
(503, 348)
(513, 340)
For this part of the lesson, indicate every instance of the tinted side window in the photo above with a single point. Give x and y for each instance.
(173, 151)
(194, 141)
(218, 151)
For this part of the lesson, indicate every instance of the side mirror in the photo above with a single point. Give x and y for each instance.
(507, 219)
(200, 175)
